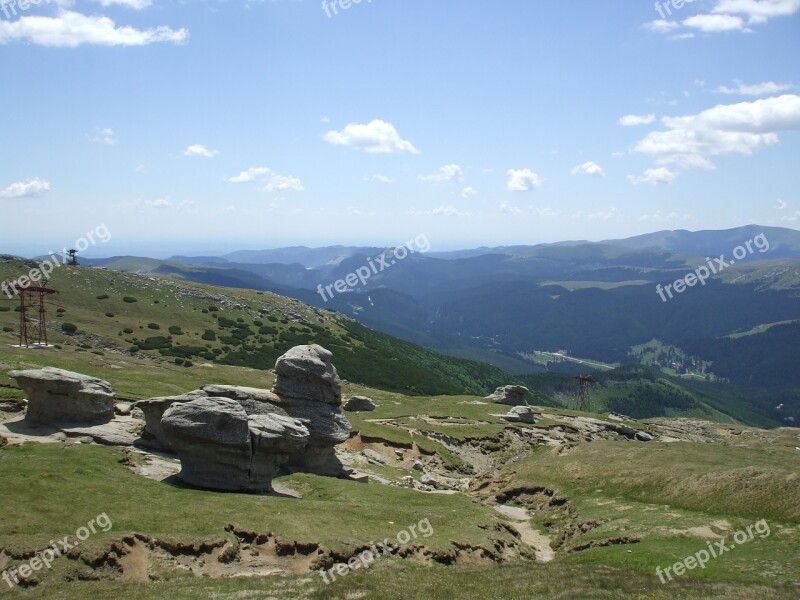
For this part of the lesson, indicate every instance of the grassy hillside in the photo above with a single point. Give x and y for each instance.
(107, 312)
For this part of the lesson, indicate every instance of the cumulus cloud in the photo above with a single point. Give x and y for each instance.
(510, 209)
(782, 204)
(71, 29)
(377, 137)
(589, 168)
(659, 176)
(268, 180)
(715, 23)
(758, 89)
(741, 128)
(522, 180)
(728, 15)
(200, 150)
(633, 120)
(662, 26)
(30, 188)
(757, 11)
(159, 203)
(469, 192)
(446, 174)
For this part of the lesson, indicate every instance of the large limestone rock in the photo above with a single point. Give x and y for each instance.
(220, 447)
(57, 397)
(512, 395)
(359, 404)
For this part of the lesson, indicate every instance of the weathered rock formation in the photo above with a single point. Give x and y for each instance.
(512, 395)
(220, 447)
(58, 397)
(521, 414)
(359, 404)
(307, 391)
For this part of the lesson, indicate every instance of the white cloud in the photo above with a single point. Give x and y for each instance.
(758, 11)
(446, 174)
(688, 161)
(375, 137)
(510, 209)
(660, 176)
(658, 216)
(269, 180)
(662, 26)
(793, 217)
(134, 4)
(70, 29)
(782, 204)
(633, 120)
(200, 150)
(440, 211)
(469, 192)
(758, 89)
(682, 36)
(26, 189)
(715, 23)
(589, 168)
(379, 178)
(159, 203)
(103, 136)
(522, 180)
(603, 215)
(741, 128)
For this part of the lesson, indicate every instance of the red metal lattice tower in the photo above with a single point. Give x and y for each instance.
(32, 313)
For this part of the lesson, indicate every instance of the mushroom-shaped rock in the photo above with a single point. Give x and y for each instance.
(255, 401)
(58, 397)
(220, 447)
(512, 395)
(359, 404)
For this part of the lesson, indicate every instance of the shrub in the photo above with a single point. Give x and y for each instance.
(209, 335)
(69, 328)
(188, 363)
(8, 329)
(213, 308)
(258, 323)
(5, 308)
(153, 326)
(179, 361)
(175, 330)
(272, 318)
(129, 299)
(109, 314)
(267, 330)
(103, 297)
(154, 343)
(127, 330)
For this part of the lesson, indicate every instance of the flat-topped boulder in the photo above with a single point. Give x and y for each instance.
(57, 397)
(153, 410)
(512, 395)
(359, 404)
(221, 447)
(521, 414)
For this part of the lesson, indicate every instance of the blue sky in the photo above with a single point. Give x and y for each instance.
(204, 126)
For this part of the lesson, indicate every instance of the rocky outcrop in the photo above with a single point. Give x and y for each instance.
(512, 395)
(359, 404)
(521, 414)
(307, 391)
(221, 447)
(57, 397)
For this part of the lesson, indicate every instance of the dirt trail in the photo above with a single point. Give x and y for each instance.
(521, 522)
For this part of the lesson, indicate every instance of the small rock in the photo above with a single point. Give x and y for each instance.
(418, 466)
(122, 408)
(373, 456)
(359, 404)
(399, 454)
